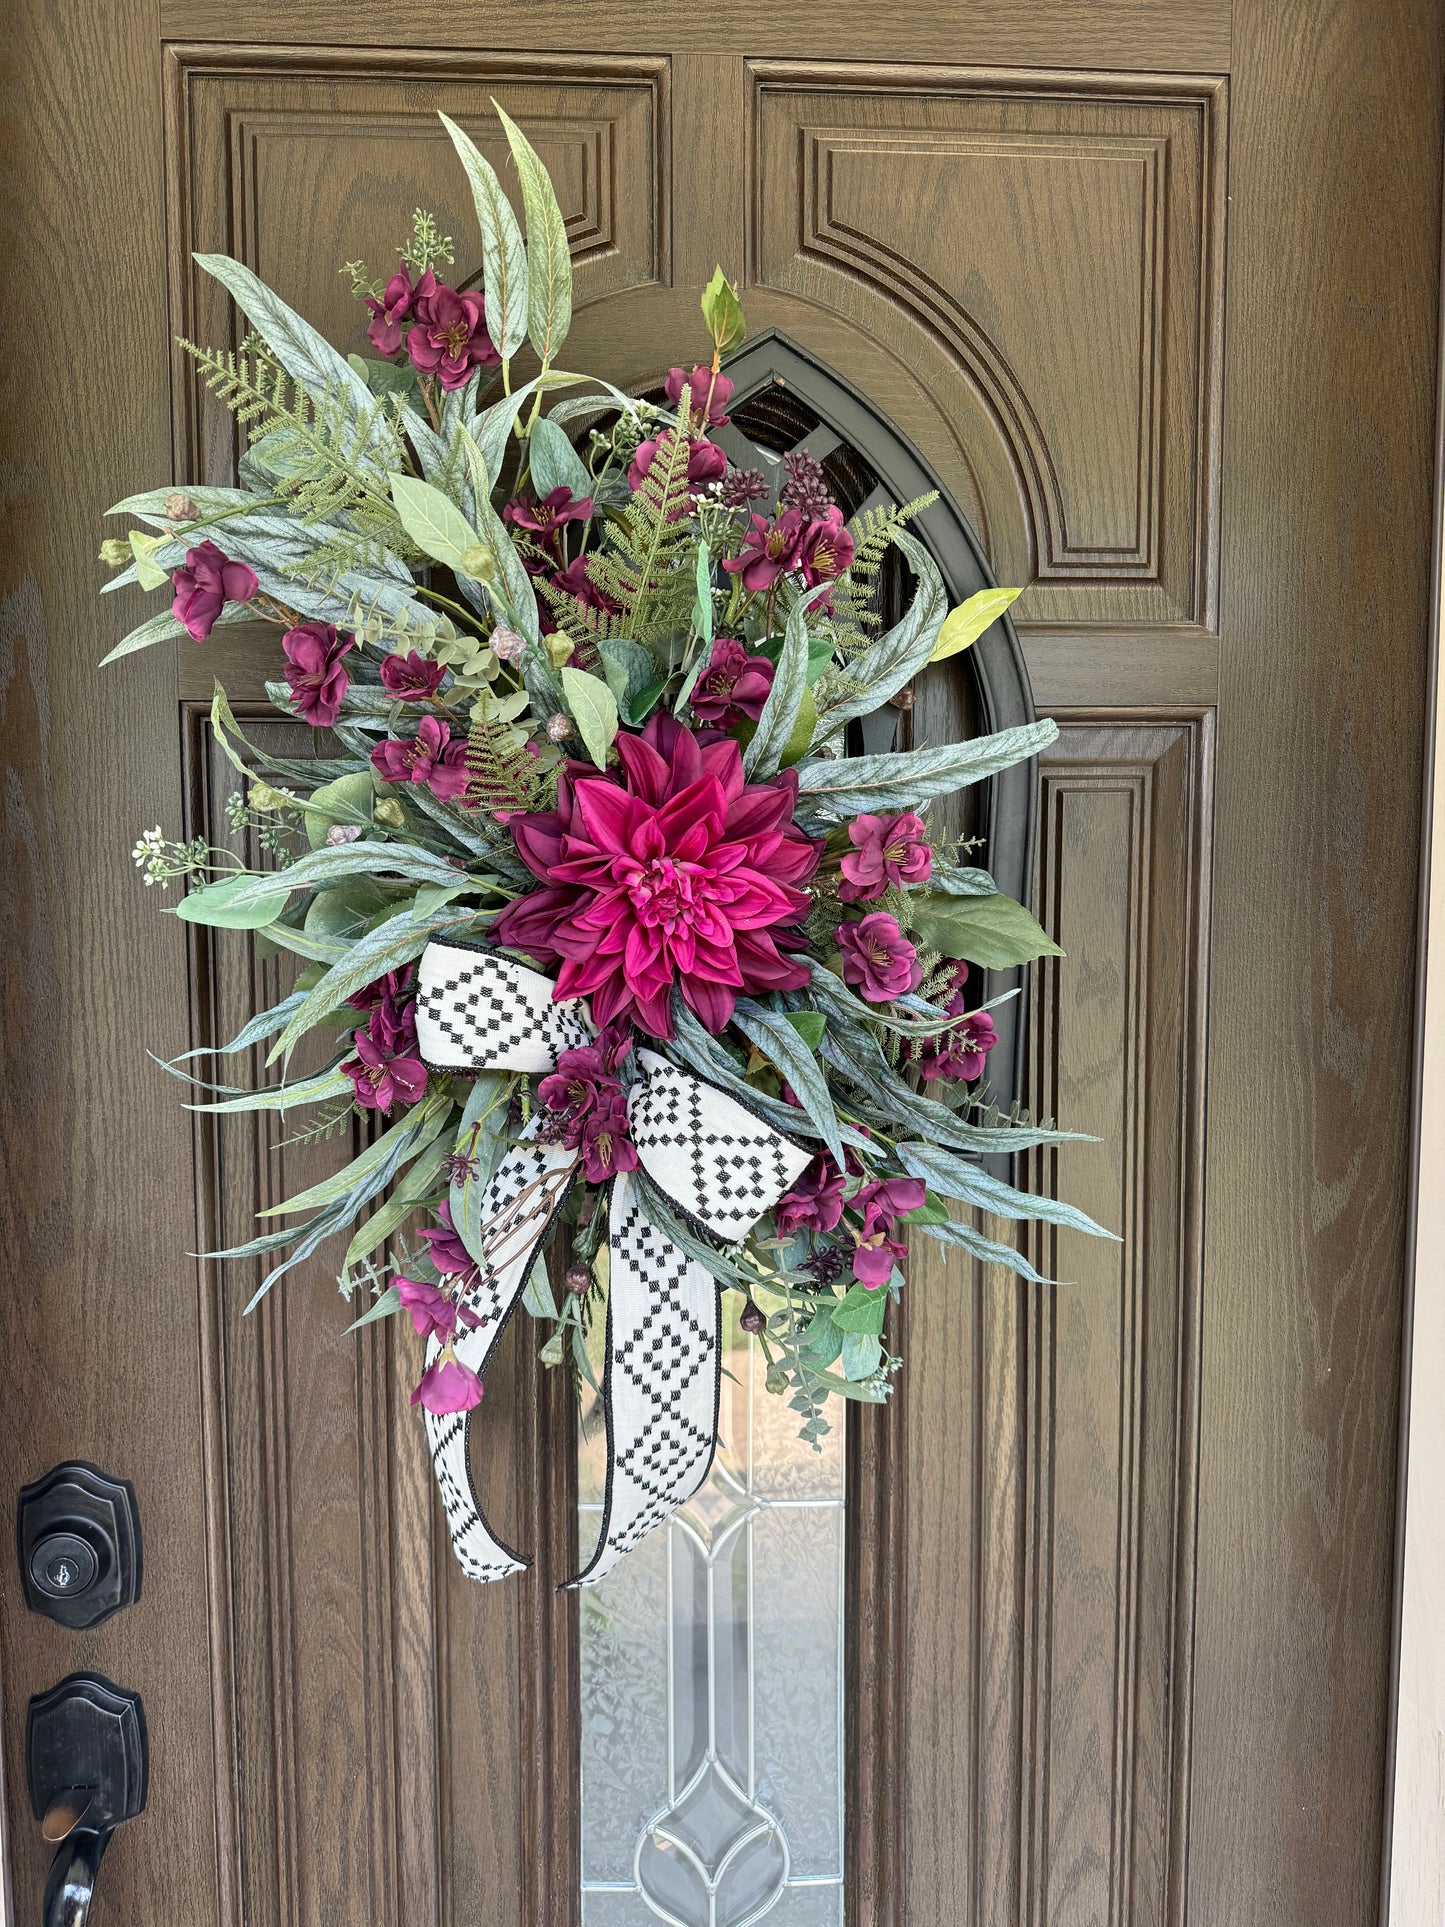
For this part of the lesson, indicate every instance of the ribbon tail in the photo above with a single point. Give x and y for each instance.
(517, 1208)
(661, 1380)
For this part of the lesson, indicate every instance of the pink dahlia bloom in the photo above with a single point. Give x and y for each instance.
(673, 870)
(886, 849)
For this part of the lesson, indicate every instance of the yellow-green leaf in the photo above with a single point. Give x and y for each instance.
(594, 710)
(549, 264)
(963, 626)
(433, 521)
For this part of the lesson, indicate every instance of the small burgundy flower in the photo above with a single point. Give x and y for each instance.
(882, 1203)
(769, 550)
(411, 677)
(706, 462)
(448, 1386)
(699, 384)
(449, 336)
(384, 330)
(432, 1312)
(205, 582)
(886, 850)
(575, 581)
(962, 1051)
(393, 1026)
(825, 550)
(607, 1146)
(584, 1080)
(554, 511)
(313, 669)
(429, 757)
(393, 984)
(448, 1251)
(733, 687)
(815, 1202)
(380, 1080)
(878, 959)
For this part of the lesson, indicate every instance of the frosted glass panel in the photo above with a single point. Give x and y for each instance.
(712, 1684)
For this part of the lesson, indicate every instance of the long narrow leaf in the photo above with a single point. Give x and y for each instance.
(549, 262)
(892, 661)
(790, 681)
(853, 784)
(776, 1038)
(957, 1179)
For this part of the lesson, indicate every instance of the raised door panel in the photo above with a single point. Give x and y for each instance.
(294, 163)
(1051, 1430)
(1041, 253)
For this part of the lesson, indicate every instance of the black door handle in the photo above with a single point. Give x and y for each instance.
(89, 1770)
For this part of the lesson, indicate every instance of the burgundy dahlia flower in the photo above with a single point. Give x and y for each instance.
(886, 850)
(672, 870)
(429, 757)
(384, 330)
(449, 336)
(204, 583)
(701, 383)
(313, 669)
(448, 1386)
(733, 687)
(878, 959)
(411, 677)
(769, 550)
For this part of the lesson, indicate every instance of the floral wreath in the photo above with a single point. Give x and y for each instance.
(625, 947)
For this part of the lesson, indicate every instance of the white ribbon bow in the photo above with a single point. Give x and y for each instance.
(720, 1165)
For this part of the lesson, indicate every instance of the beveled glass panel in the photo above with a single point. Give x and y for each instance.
(712, 1682)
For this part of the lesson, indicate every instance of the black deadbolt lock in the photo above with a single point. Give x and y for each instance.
(80, 1548)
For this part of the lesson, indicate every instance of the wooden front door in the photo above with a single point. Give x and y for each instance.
(1152, 287)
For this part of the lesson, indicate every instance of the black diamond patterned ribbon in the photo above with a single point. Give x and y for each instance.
(720, 1165)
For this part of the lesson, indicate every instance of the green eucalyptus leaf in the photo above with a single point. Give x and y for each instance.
(349, 799)
(862, 1310)
(862, 1354)
(418, 1183)
(386, 1306)
(628, 667)
(994, 931)
(234, 903)
(549, 262)
(504, 257)
(593, 708)
(345, 910)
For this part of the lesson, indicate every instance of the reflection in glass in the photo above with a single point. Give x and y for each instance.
(712, 1683)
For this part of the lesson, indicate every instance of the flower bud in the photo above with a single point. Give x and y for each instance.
(179, 507)
(752, 1319)
(390, 812)
(507, 645)
(551, 1352)
(343, 833)
(114, 553)
(776, 1380)
(559, 649)
(578, 1279)
(264, 797)
(478, 563)
(559, 727)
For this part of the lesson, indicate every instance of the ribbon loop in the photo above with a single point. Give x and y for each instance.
(479, 1011)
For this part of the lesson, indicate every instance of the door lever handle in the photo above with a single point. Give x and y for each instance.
(71, 1886)
(89, 1770)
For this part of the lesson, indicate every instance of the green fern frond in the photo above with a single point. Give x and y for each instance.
(501, 773)
(855, 599)
(314, 444)
(644, 564)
